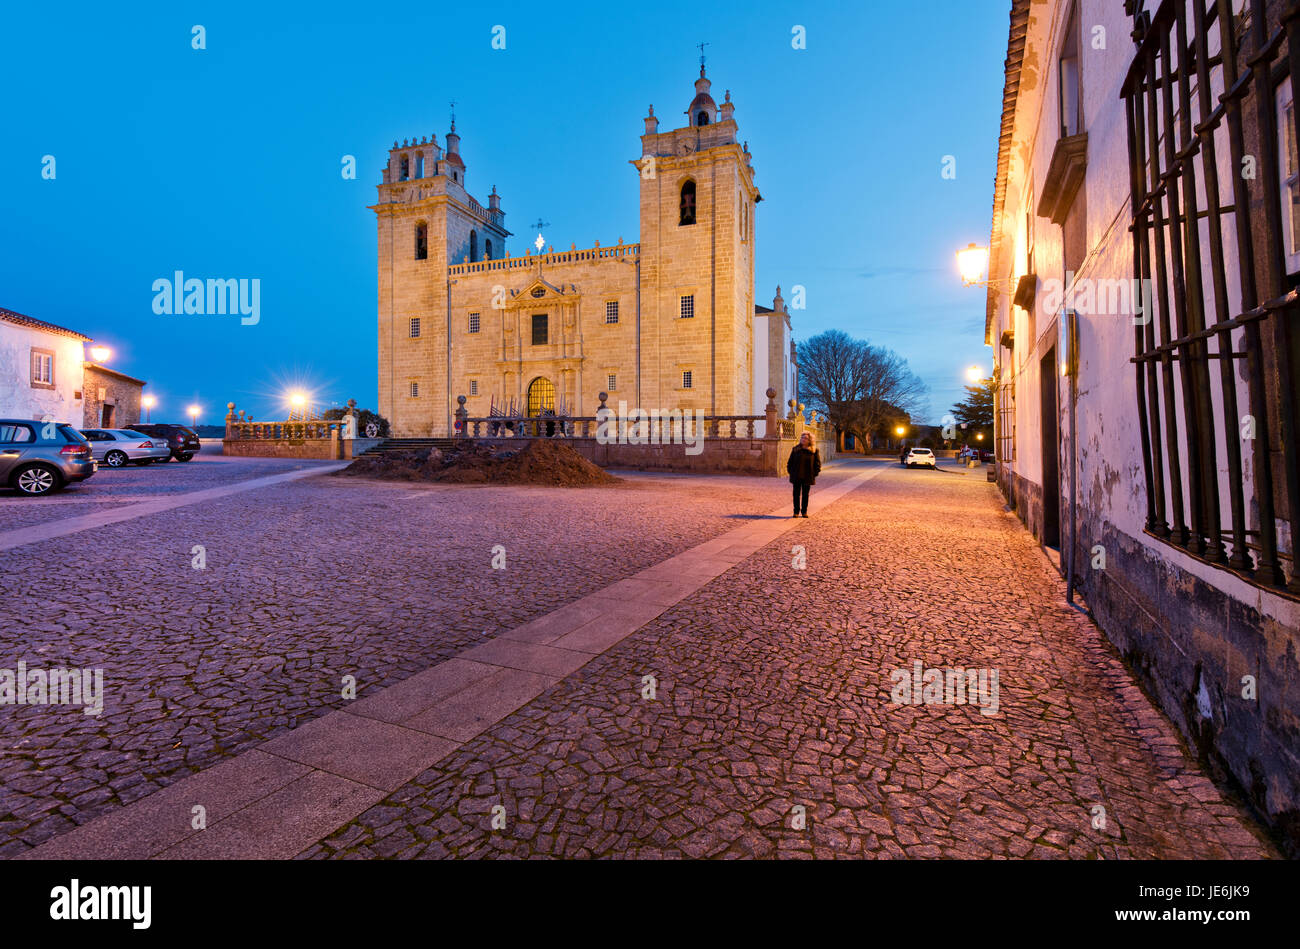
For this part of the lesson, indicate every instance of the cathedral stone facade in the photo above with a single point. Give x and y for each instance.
(669, 323)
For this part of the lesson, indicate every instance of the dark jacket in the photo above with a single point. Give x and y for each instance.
(804, 465)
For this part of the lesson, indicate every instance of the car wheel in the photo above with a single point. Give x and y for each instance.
(186, 456)
(35, 480)
(116, 459)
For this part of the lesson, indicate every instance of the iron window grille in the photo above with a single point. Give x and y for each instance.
(415, 327)
(415, 390)
(612, 382)
(473, 387)
(1215, 346)
(611, 311)
(473, 322)
(539, 329)
(686, 379)
(688, 306)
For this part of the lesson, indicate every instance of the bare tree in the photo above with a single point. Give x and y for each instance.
(857, 385)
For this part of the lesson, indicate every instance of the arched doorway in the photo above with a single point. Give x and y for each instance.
(541, 402)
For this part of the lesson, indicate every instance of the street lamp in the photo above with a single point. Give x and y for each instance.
(974, 374)
(193, 410)
(149, 402)
(972, 261)
(100, 354)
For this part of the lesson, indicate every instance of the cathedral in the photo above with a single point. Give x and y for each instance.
(666, 323)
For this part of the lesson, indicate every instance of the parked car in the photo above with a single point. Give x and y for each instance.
(116, 447)
(39, 457)
(920, 456)
(987, 455)
(183, 442)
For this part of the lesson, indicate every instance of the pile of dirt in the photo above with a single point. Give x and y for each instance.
(538, 462)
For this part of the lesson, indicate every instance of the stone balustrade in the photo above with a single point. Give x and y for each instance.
(573, 255)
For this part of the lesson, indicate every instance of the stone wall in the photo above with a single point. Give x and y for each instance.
(103, 387)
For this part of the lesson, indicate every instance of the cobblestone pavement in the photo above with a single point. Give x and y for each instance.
(114, 487)
(773, 694)
(305, 582)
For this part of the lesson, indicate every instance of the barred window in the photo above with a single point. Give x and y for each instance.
(1215, 368)
(415, 327)
(688, 306)
(539, 329)
(686, 379)
(415, 390)
(611, 382)
(473, 387)
(1006, 448)
(611, 311)
(473, 322)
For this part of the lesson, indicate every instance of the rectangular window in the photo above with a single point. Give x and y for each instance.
(415, 390)
(611, 382)
(611, 311)
(43, 368)
(539, 329)
(688, 306)
(1289, 170)
(1071, 95)
(415, 327)
(473, 387)
(473, 322)
(686, 379)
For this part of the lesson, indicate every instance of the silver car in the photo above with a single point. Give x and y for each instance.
(116, 447)
(38, 457)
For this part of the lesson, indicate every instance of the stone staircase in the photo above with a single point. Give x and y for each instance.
(410, 444)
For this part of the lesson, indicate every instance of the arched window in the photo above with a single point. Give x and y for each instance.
(419, 166)
(702, 118)
(421, 241)
(687, 203)
(473, 246)
(487, 249)
(405, 168)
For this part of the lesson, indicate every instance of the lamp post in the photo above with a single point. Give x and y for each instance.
(149, 402)
(193, 411)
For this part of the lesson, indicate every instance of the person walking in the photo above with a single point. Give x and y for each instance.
(803, 467)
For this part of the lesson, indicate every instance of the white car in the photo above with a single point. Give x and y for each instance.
(920, 456)
(116, 447)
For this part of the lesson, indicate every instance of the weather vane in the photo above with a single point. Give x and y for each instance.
(701, 46)
(541, 241)
(453, 114)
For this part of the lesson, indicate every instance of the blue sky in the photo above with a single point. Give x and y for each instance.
(225, 162)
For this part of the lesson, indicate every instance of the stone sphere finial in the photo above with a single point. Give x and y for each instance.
(771, 393)
(460, 399)
(230, 405)
(791, 403)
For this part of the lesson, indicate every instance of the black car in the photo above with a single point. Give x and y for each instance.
(182, 441)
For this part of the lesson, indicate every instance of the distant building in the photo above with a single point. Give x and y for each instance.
(1148, 371)
(667, 323)
(43, 372)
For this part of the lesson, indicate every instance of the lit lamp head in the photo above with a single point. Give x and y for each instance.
(971, 261)
(297, 400)
(149, 401)
(974, 374)
(900, 430)
(194, 411)
(100, 354)
(979, 436)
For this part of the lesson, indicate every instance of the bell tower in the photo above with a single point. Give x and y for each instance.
(697, 262)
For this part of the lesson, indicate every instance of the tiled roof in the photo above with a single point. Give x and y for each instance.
(19, 319)
(96, 367)
(1010, 92)
(759, 308)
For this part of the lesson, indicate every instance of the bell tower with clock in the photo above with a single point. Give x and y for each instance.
(697, 262)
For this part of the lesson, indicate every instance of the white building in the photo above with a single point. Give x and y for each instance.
(1148, 371)
(42, 369)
